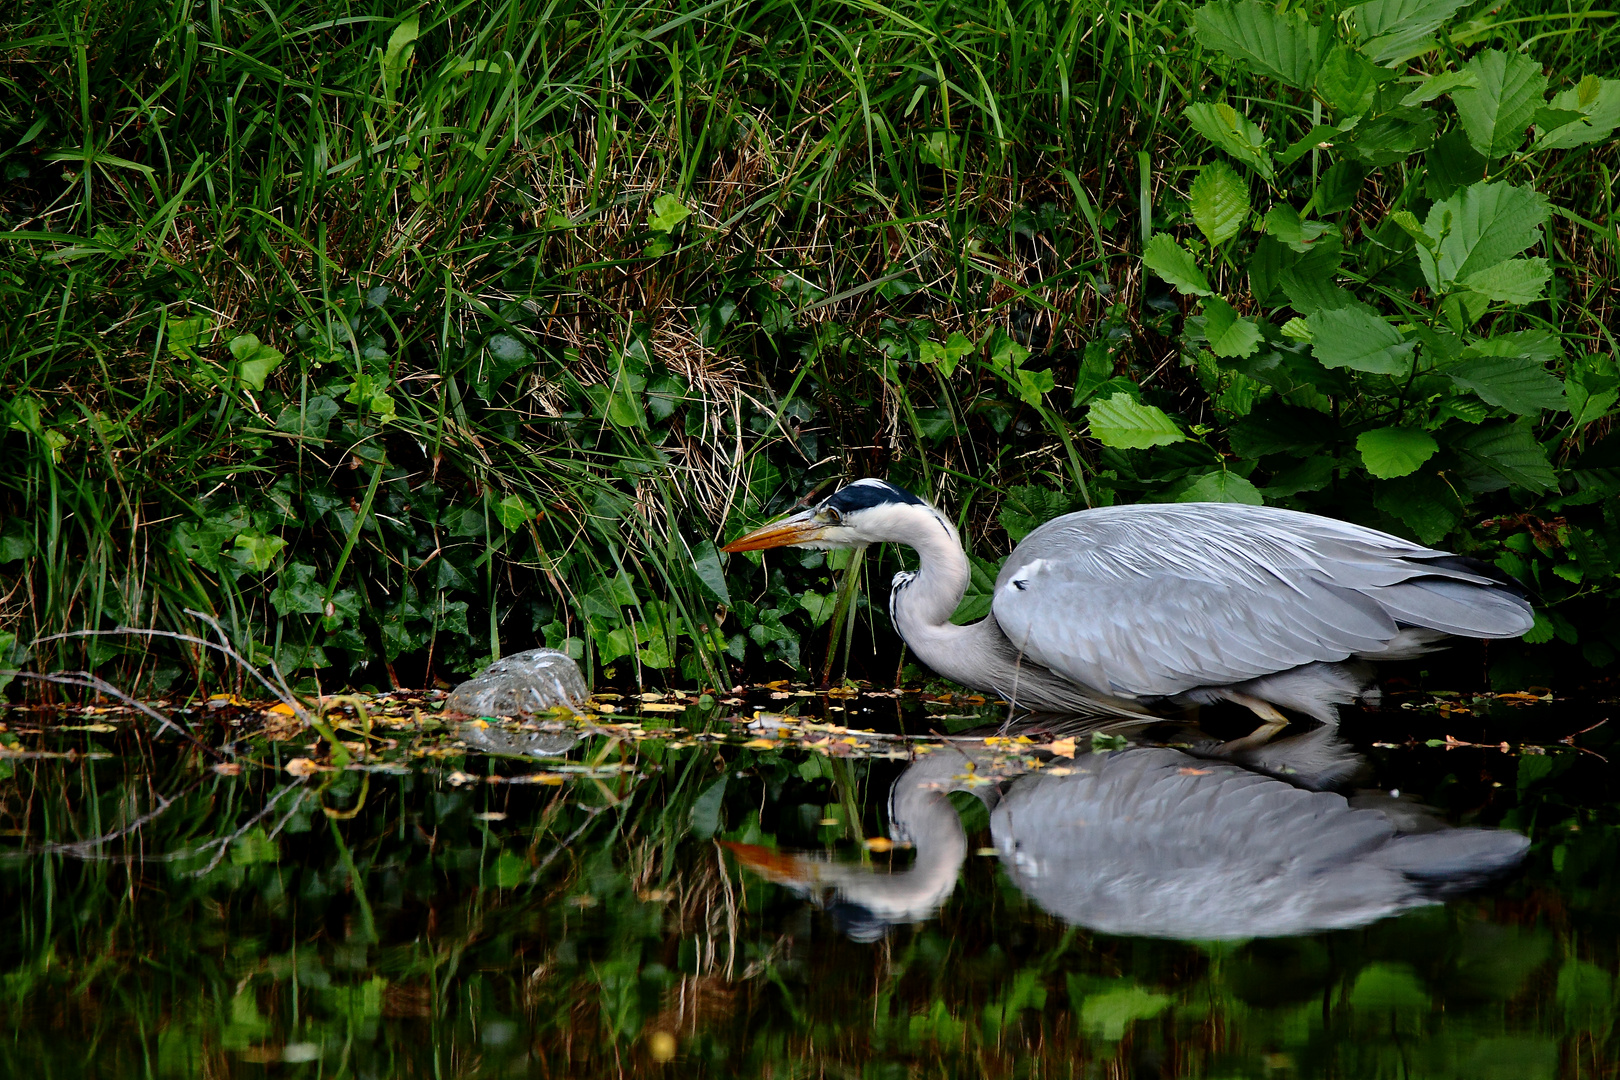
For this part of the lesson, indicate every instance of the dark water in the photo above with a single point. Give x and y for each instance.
(678, 892)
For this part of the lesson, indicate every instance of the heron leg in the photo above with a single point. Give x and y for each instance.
(1274, 722)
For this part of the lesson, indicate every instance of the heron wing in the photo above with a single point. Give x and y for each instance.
(1158, 599)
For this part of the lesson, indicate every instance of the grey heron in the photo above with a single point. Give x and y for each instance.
(1119, 609)
(1154, 842)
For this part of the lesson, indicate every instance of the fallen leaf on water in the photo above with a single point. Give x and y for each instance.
(1194, 772)
(760, 744)
(302, 766)
(228, 768)
(458, 777)
(662, 707)
(1060, 771)
(98, 728)
(491, 815)
(1062, 748)
(219, 701)
(879, 843)
(281, 708)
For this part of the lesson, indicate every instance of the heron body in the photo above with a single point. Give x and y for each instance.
(1120, 609)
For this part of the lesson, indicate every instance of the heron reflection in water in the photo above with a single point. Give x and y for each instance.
(1122, 610)
(1156, 842)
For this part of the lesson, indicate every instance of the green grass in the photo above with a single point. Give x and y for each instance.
(385, 341)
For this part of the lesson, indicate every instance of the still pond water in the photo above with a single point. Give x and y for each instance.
(760, 886)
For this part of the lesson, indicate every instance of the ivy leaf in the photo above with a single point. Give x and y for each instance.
(256, 550)
(668, 212)
(1123, 423)
(1229, 335)
(1519, 384)
(512, 512)
(1284, 45)
(1356, 337)
(255, 361)
(1516, 281)
(945, 356)
(1394, 451)
(1175, 265)
(1496, 113)
(1233, 132)
(1220, 202)
(1478, 227)
(711, 576)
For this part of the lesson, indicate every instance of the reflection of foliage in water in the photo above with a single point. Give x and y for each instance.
(429, 935)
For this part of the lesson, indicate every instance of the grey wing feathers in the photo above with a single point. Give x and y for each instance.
(1158, 599)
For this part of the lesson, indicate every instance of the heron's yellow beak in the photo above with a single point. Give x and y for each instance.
(801, 528)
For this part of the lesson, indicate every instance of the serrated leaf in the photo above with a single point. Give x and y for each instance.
(1506, 455)
(1298, 329)
(1233, 132)
(1391, 452)
(1337, 190)
(1426, 504)
(1443, 83)
(1598, 102)
(1478, 227)
(1175, 265)
(1357, 338)
(1220, 202)
(1518, 384)
(1284, 45)
(1496, 113)
(1122, 422)
(1412, 227)
(1221, 486)
(1229, 335)
(1516, 281)
(1347, 80)
(1396, 30)
(1284, 223)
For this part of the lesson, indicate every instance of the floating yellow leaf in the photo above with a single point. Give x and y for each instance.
(879, 843)
(281, 708)
(760, 744)
(99, 728)
(302, 766)
(1062, 747)
(1060, 770)
(664, 707)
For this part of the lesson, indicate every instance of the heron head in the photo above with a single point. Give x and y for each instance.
(865, 512)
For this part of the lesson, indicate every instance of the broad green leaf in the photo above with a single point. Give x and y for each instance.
(1392, 452)
(1386, 987)
(1516, 281)
(1478, 227)
(397, 55)
(256, 550)
(1412, 227)
(1233, 132)
(1443, 83)
(255, 361)
(705, 816)
(1175, 265)
(1124, 423)
(1505, 455)
(1110, 1014)
(1220, 486)
(1284, 45)
(512, 512)
(1337, 190)
(1390, 138)
(1283, 222)
(1348, 80)
(1229, 335)
(1032, 385)
(1586, 993)
(1220, 202)
(1519, 384)
(297, 591)
(1396, 30)
(1357, 338)
(711, 576)
(1598, 102)
(1425, 503)
(1593, 388)
(185, 335)
(945, 356)
(1497, 112)
(667, 213)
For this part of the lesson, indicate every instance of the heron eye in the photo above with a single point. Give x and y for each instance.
(831, 515)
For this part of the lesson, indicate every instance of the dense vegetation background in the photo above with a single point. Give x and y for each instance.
(393, 338)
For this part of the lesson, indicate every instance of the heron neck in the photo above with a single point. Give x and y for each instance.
(941, 581)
